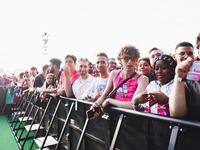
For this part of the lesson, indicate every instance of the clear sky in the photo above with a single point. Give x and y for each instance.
(86, 27)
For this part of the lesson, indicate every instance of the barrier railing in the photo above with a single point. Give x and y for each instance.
(118, 129)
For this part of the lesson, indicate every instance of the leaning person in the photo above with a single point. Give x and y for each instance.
(128, 57)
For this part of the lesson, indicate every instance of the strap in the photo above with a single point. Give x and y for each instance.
(115, 90)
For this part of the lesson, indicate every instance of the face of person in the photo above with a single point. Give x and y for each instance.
(154, 56)
(27, 74)
(182, 53)
(49, 79)
(112, 65)
(83, 68)
(70, 62)
(90, 70)
(144, 68)
(34, 72)
(4, 76)
(51, 68)
(95, 73)
(199, 45)
(163, 72)
(128, 62)
(102, 64)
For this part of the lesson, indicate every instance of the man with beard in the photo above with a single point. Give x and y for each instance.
(54, 68)
(85, 79)
(98, 87)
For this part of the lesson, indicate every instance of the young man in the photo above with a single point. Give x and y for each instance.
(154, 53)
(182, 51)
(198, 47)
(184, 101)
(40, 78)
(69, 76)
(83, 82)
(98, 87)
(34, 73)
(112, 64)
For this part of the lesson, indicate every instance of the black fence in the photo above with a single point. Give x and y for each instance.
(119, 129)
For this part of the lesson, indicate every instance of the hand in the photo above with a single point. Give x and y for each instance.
(60, 91)
(93, 109)
(183, 67)
(141, 98)
(66, 70)
(159, 97)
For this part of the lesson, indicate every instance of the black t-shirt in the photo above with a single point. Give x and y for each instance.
(189, 138)
(39, 81)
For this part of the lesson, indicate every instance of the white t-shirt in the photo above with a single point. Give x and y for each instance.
(79, 87)
(98, 86)
(156, 86)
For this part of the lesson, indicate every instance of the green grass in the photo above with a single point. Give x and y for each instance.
(7, 140)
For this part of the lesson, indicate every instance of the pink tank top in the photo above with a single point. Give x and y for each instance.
(126, 91)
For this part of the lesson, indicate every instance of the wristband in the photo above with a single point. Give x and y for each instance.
(180, 79)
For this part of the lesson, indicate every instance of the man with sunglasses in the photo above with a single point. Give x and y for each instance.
(154, 53)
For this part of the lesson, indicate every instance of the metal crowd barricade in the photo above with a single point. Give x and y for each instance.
(121, 129)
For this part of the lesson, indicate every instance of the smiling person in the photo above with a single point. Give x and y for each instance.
(144, 68)
(156, 96)
(128, 57)
(85, 79)
(155, 100)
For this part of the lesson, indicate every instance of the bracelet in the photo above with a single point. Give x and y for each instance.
(180, 79)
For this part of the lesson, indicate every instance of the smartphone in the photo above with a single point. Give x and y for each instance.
(194, 73)
(91, 113)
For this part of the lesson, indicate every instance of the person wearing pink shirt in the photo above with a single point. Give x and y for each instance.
(69, 76)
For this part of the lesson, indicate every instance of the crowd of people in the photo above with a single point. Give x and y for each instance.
(156, 83)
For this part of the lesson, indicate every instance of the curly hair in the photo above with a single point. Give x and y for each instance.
(129, 50)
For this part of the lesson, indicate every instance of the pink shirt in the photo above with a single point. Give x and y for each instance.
(126, 91)
(73, 77)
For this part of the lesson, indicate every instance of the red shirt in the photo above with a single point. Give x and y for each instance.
(73, 77)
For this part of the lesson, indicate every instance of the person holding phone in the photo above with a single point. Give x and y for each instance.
(128, 57)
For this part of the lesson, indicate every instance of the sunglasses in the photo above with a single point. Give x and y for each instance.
(155, 55)
(126, 59)
(184, 53)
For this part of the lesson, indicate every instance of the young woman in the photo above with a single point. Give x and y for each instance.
(128, 57)
(48, 85)
(144, 68)
(156, 96)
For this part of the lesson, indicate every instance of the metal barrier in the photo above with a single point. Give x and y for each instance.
(119, 129)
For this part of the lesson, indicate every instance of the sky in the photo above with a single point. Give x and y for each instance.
(86, 27)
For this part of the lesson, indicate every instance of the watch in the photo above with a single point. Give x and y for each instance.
(180, 79)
